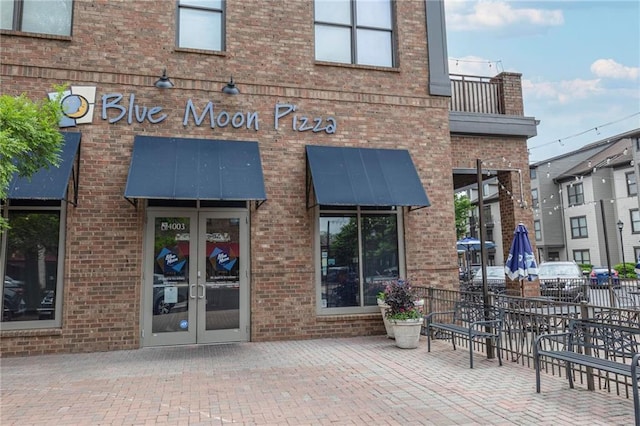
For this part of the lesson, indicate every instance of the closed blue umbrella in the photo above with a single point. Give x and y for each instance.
(521, 262)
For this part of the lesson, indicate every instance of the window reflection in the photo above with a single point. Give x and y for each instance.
(359, 254)
(200, 24)
(31, 266)
(37, 16)
(356, 31)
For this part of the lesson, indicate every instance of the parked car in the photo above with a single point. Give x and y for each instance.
(599, 277)
(13, 301)
(466, 274)
(14, 284)
(47, 305)
(496, 280)
(563, 281)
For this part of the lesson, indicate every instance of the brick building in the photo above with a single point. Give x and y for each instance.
(187, 213)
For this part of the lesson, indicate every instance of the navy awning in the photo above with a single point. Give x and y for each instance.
(364, 177)
(195, 169)
(51, 183)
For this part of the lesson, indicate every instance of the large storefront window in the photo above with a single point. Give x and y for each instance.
(359, 253)
(30, 256)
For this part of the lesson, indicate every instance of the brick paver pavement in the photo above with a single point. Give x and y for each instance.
(352, 381)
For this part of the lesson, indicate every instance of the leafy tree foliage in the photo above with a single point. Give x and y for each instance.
(29, 137)
(462, 207)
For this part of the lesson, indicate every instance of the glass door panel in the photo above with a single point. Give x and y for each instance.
(170, 300)
(223, 316)
(196, 278)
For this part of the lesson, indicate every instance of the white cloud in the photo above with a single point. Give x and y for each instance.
(465, 15)
(608, 68)
(563, 91)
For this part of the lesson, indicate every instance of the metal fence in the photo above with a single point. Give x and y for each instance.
(527, 318)
(476, 94)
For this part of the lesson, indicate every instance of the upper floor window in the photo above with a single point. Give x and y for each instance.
(579, 227)
(632, 184)
(582, 257)
(534, 198)
(533, 173)
(538, 230)
(488, 219)
(575, 193)
(635, 221)
(354, 32)
(37, 16)
(490, 234)
(201, 24)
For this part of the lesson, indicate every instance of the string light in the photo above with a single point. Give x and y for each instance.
(498, 63)
(561, 141)
(545, 205)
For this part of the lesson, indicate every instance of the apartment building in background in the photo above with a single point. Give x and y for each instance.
(585, 202)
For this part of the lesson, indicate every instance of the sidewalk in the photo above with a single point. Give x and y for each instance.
(354, 381)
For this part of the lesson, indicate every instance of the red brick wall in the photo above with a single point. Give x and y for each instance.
(121, 47)
(511, 93)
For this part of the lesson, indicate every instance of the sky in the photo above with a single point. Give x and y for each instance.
(579, 60)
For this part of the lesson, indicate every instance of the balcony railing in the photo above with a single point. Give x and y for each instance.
(482, 95)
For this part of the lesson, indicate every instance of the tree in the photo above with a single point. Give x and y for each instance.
(463, 207)
(29, 137)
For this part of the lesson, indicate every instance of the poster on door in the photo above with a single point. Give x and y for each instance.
(172, 263)
(224, 259)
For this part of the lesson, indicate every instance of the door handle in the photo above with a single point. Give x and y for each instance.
(191, 291)
(203, 291)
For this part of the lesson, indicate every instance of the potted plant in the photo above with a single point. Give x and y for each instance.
(383, 309)
(404, 313)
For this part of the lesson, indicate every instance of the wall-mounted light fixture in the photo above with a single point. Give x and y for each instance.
(164, 82)
(230, 88)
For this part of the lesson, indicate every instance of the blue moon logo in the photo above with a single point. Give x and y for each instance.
(75, 106)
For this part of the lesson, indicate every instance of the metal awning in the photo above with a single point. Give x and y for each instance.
(51, 183)
(363, 177)
(195, 169)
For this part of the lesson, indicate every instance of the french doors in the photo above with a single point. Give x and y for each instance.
(195, 277)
